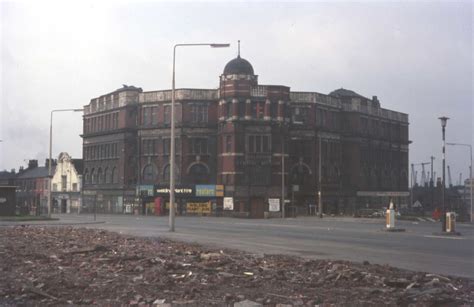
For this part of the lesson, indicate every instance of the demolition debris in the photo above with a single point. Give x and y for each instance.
(66, 265)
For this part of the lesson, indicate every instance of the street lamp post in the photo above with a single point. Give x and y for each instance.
(50, 154)
(320, 204)
(470, 172)
(172, 151)
(282, 174)
(444, 120)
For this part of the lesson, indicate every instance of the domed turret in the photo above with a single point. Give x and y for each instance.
(238, 66)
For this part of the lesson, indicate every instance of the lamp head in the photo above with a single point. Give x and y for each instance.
(444, 120)
(219, 45)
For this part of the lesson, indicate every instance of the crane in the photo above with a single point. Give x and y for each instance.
(460, 179)
(423, 173)
(450, 183)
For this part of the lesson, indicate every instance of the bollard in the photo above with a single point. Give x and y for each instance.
(390, 217)
(450, 222)
(390, 220)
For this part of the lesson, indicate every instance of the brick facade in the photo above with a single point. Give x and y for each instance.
(235, 136)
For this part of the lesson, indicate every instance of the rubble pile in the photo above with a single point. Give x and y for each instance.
(65, 265)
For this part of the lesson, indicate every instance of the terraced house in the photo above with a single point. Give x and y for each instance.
(232, 143)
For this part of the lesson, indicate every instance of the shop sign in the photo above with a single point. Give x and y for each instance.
(198, 207)
(145, 190)
(274, 204)
(205, 190)
(228, 203)
(209, 190)
(179, 190)
(383, 193)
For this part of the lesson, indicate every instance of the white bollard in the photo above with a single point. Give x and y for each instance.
(390, 217)
(450, 222)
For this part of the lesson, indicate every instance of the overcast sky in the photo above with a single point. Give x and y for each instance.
(417, 57)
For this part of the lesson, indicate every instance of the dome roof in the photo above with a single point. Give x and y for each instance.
(238, 66)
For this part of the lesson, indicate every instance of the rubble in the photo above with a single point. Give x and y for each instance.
(66, 265)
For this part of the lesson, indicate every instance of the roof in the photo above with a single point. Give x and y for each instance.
(7, 175)
(238, 66)
(37, 172)
(78, 165)
(342, 92)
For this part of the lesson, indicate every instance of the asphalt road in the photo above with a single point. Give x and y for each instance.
(419, 248)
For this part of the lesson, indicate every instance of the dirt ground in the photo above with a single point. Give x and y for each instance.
(65, 265)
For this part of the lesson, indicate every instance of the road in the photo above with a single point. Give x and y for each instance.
(419, 248)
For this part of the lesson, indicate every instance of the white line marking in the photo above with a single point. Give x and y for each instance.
(443, 237)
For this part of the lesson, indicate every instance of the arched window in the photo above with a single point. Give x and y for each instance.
(99, 176)
(93, 178)
(114, 175)
(106, 175)
(199, 173)
(300, 173)
(166, 173)
(149, 173)
(86, 176)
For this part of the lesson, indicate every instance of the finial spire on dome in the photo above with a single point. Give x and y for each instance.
(238, 55)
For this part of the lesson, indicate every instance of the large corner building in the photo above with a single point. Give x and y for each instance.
(231, 142)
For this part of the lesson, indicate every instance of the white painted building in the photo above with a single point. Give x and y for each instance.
(67, 184)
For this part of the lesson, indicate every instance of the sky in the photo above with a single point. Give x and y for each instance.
(416, 56)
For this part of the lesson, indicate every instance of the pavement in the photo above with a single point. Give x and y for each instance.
(419, 248)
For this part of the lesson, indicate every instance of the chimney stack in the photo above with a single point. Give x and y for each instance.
(32, 164)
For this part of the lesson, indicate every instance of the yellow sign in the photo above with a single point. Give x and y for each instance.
(167, 206)
(219, 190)
(198, 207)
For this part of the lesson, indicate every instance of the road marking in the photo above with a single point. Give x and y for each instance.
(444, 237)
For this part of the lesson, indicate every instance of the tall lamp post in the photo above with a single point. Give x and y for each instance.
(50, 202)
(282, 173)
(320, 204)
(172, 151)
(470, 171)
(444, 120)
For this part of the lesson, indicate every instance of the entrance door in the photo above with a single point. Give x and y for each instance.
(63, 205)
(257, 208)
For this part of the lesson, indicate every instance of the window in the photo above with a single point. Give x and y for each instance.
(146, 116)
(154, 115)
(166, 173)
(228, 143)
(167, 114)
(258, 143)
(74, 187)
(199, 113)
(114, 175)
(149, 116)
(99, 176)
(228, 106)
(86, 176)
(166, 146)
(199, 146)
(63, 183)
(274, 109)
(299, 115)
(55, 187)
(364, 125)
(149, 173)
(198, 173)
(258, 110)
(106, 175)
(93, 176)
